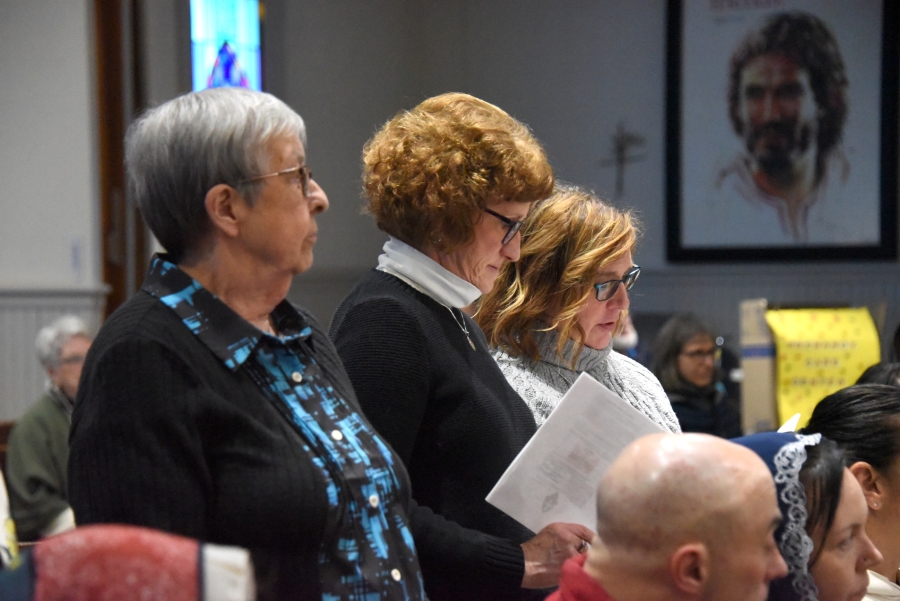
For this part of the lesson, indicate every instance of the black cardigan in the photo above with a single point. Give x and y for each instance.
(216, 460)
(452, 417)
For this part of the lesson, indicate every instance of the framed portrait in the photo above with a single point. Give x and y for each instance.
(781, 135)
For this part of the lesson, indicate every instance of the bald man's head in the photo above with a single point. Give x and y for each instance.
(664, 489)
(671, 498)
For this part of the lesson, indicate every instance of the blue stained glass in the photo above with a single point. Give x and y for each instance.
(226, 71)
(225, 44)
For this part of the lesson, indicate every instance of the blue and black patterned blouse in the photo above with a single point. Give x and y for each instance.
(366, 551)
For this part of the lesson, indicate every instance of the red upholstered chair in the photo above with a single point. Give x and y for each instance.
(110, 562)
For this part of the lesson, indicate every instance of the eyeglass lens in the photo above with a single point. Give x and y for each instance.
(606, 290)
(704, 354)
(305, 176)
(513, 226)
(304, 173)
(72, 360)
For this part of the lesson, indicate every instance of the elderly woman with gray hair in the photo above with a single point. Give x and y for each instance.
(39, 442)
(211, 406)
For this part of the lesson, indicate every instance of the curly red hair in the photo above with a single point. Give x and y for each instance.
(429, 171)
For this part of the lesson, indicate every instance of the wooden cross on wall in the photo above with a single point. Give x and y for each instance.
(622, 143)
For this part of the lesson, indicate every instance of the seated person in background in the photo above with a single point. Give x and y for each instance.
(881, 373)
(823, 537)
(687, 517)
(552, 315)
(685, 359)
(864, 420)
(629, 343)
(38, 448)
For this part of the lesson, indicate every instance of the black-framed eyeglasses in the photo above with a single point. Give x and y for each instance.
(606, 290)
(513, 225)
(71, 360)
(700, 354)
(303, 171)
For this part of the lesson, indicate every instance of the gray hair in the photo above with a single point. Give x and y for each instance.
(179, 150)
(52, 338)
(670, 341)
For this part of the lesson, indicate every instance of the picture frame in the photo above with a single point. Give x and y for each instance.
(781, 130)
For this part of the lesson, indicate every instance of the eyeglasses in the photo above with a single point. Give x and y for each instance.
(71, 360)
(715, 354)
(303, 171)
(606, 290)
(514, 226)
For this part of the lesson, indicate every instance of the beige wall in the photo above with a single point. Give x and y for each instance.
(48, 164)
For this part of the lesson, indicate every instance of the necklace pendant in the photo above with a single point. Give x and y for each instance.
(472, 344)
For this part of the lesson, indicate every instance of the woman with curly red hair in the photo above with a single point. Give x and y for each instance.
(450, 181)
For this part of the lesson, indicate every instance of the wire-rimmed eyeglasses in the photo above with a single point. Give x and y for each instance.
(303, 171)
(606, 290)
(513, 225)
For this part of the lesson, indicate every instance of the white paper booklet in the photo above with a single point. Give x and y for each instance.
(555, 477)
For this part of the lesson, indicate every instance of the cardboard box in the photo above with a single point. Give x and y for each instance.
(759, 412)
(822, 349)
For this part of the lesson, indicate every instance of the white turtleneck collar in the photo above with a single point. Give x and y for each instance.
(426, 275)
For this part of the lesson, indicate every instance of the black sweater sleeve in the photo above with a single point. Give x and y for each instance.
(136, 454)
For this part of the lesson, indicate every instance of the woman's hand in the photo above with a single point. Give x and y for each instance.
(546, 552)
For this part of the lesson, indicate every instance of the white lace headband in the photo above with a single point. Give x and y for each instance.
(795, 545)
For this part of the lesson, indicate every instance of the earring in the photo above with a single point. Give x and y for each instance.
(874, 504)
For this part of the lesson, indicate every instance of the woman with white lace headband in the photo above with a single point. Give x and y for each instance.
(552, 314)
(823, 537)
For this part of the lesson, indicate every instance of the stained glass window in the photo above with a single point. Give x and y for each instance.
(225, 44)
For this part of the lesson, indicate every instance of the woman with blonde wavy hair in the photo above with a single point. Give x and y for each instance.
(553, 314)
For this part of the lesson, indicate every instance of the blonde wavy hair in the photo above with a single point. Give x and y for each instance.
(566, 240)
(429, 171)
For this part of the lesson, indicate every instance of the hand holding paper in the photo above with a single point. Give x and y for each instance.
(546, 552)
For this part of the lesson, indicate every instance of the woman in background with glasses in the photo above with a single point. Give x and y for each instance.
(686, 361)
(552, 315)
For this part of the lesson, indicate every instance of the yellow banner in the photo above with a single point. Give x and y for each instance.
(817, 352)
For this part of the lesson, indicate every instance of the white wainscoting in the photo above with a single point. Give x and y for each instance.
(22, 314)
